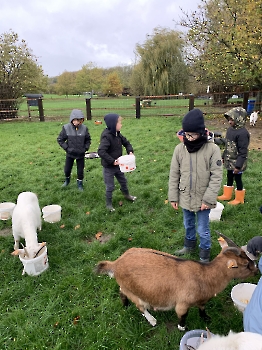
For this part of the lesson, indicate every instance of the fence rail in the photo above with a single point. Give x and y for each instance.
(50, 107)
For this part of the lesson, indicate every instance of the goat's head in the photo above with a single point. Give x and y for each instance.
(237, 259)
(29, 253)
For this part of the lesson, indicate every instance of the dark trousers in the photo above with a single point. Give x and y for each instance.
(80, 164)
(237, 177)
(109, 174)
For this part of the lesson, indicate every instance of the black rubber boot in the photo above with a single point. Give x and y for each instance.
(67, 181)
(189, 247)
(80, 185)
(204, 255)
(109, 204)
(128, 196)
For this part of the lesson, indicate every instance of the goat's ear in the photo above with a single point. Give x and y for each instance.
(231, 263)
(18, 252)
(222, 242)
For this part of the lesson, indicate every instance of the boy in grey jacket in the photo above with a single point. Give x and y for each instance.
(194, 181)
(75, 139)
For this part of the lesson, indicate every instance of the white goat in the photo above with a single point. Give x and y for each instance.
(26, 219)
(253, 118)
(233, 341)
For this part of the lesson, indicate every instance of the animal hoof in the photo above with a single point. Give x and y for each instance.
(181, 328)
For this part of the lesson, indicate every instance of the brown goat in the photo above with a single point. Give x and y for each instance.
(160, 281)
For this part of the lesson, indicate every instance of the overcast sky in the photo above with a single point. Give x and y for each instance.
(66, 34)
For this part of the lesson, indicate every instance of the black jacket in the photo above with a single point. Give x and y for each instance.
(111, 142)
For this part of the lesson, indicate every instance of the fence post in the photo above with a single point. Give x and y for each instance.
(28, 109)
(191, 102)
(41, 110)
(88, 109)
(245, 100)
(138, 108)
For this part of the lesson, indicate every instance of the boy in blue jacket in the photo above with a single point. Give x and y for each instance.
(110, 149)
(75, 139)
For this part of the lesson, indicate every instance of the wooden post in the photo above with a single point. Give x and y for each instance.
(41, 110)
(138, 114)
(28, 109)
(191, 102)
(245, 100)
(88, 109)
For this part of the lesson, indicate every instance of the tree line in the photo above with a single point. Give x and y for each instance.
(219, 47)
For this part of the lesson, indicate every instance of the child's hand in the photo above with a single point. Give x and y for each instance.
(116, 162)
(174, 205)
(204, 207)
(130, 153)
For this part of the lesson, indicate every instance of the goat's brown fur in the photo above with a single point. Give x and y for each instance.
(154, 279)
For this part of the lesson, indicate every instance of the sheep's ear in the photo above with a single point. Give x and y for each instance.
(222, 242)
(18, 252)
(231, 263)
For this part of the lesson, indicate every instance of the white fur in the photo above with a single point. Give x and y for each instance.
(253, 118)
(26, 219)
(234, 341)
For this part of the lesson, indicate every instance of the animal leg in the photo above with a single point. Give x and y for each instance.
(203, 315)
(140, 304)
(181, 311)
(123, 298)
(16, 246)
(182, 322)
(151, 319)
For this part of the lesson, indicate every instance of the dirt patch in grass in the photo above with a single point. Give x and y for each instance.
(5, 232)
(221, 125)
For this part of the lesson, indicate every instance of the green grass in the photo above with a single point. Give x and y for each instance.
(68, 306)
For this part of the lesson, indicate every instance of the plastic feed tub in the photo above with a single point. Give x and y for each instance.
(241, 295)
(6, 210)
(52, 213)
(127, 163)
(37, 265)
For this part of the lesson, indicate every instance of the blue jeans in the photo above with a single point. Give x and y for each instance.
(189, 218)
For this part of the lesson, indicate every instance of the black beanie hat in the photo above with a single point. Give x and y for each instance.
(193, 121)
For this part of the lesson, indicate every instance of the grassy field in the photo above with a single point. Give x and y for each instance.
(68, 306)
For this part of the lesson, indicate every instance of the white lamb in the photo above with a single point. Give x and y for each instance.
(26, 219)
(233, 341)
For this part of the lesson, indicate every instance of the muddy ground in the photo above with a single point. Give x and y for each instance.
(221, 125)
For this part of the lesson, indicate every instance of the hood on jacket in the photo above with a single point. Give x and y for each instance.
(111, 121)
(76, 114)
(238, 115)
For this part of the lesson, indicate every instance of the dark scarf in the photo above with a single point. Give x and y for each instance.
(194, 146)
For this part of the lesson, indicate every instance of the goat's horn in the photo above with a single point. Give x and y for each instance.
(26, 252)
(228, 240)
(208, 333)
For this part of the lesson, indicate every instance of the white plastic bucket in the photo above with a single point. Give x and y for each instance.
(35, 266)
(127, 163)
(6, 210)
(241, 295)
(215, 214)
(193, 338)
(52, 213)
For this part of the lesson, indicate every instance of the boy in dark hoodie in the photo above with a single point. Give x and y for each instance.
(75, 139)
(235, 154)
(110, 149)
